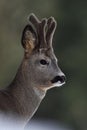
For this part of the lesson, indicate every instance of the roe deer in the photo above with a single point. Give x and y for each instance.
(37, 73)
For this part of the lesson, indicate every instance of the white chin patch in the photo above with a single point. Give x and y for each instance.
(58, 84)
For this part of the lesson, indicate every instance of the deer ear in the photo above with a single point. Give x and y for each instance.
(28, 38)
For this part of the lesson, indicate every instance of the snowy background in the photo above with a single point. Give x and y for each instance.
(7, 124)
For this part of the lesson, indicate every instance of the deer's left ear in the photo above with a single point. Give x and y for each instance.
(28, 38)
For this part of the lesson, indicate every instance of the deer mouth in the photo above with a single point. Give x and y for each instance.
(58, 84)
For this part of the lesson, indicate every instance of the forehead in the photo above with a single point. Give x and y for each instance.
(48, 53)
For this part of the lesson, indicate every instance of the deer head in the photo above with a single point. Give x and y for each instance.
(41, 63)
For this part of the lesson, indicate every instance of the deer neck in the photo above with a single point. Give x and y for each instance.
(26, 96)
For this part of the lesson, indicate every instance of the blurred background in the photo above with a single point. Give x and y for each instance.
(68, 104)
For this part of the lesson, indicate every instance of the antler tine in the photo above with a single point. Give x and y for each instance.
(49, 22)
(34, 20)
(51, 29)
(42, 33)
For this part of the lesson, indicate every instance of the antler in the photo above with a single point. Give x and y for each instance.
(40, 27)
(44, 29)
(51, 23)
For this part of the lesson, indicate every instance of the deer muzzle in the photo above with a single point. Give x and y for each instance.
(59, 80)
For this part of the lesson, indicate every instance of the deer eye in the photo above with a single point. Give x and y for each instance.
(43, 62)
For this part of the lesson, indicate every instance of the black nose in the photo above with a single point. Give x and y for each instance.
(61, 78)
